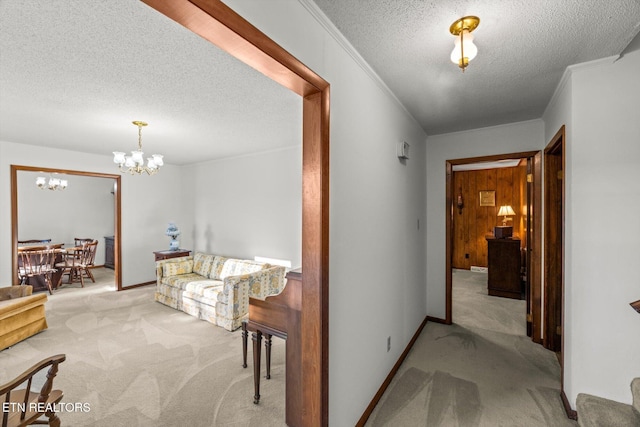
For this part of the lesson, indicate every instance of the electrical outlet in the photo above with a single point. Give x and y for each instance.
(388, 344)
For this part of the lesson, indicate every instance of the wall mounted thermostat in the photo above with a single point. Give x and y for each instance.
(402, 150)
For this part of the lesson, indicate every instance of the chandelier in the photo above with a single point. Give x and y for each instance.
(134, 164)
(52, 184)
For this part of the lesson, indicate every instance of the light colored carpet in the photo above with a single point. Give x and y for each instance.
(480, 371)
(136, 362)
(139, 363)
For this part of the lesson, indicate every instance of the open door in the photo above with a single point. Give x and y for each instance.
(553, 242)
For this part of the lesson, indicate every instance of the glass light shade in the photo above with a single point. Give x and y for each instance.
(470, 49)
(157, 159)
(41, 182)
(138, 157)
(150, 163)
(118, 157)
(506, 211)
(63, 183)
(129, 162)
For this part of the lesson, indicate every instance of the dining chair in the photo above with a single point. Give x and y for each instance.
(80, 241)
(37, 261)
(87, 259)
(78, 261)
(25, 406)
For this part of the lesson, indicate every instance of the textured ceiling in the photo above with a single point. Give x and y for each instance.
(75, 73)
(524, 47)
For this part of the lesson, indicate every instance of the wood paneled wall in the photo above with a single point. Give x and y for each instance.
(474, 223)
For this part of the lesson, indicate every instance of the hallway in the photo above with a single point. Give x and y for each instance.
(481, 371)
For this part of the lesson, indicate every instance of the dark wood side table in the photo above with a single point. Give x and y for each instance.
(504, 268)
(160, 255)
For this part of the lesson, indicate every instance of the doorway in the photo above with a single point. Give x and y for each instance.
(15, 219)
(531, 233)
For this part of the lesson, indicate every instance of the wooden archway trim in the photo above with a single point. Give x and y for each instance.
(117, 250)
(220, 25)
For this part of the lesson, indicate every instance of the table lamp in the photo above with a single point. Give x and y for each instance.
(504, 231)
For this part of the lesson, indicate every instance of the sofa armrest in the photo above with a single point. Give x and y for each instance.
(259, 284)
(161, 263)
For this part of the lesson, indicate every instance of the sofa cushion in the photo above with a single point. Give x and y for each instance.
(236, 267)
(185, 281)
(206, 293)
(176, 268)
(216, 268)
(202, 263)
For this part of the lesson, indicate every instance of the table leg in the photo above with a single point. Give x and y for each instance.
(257, 343)
(267, 348)
(244, 344)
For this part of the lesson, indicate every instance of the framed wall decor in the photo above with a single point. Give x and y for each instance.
(487, 198)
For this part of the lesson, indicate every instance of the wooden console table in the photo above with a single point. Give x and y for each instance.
(160, 255)
(279, 315)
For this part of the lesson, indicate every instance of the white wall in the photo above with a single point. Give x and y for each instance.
(376, 252)
(602, 349)
(512, 138)
(250, 205)
(148, 203)
(84, 209)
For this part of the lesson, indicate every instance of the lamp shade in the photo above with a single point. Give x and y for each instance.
(506, 210)
(464, 40)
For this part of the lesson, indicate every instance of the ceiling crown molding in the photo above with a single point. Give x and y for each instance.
(569, 71)
(349, 49)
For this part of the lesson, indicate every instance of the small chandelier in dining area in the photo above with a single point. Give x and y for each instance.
(134, 164)
(52, 184)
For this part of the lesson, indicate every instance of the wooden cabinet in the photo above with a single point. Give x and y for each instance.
(504, 268)
(160, 255)
(109, 258)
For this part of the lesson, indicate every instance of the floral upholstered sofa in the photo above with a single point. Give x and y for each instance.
(215, 288)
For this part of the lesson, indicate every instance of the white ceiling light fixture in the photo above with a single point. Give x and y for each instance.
(464, 50)
(52, 184)
(134, 164)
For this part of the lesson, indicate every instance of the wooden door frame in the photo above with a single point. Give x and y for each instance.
(116, 215)
(220, 25)
(557, 146)
(534, 246)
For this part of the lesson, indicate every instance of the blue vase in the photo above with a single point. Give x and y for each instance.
(174, 245)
